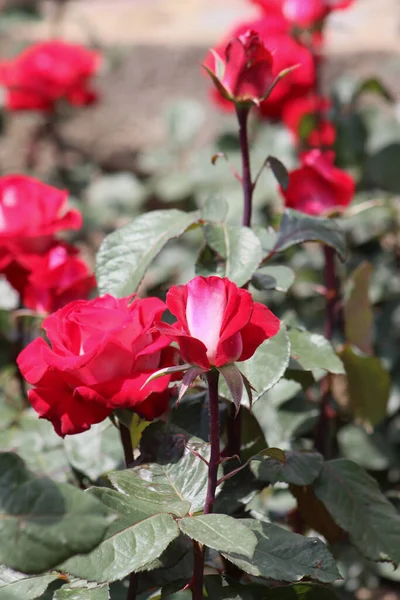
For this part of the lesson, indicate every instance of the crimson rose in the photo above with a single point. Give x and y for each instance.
(99, 355)
(31, 212)
(218, 323)
(318, 186)
(48, 72)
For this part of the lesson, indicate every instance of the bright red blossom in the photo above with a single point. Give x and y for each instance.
(286, 53)
(320, 131)
(31, 212)
(318, 186)
(99, 355)
(47, 72)
(303, 13)
(218, 323)
(51, 281)
(247, 71)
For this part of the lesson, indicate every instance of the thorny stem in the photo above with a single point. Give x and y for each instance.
(126, 441)
(215, 459)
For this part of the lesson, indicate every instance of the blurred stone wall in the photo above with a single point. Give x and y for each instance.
(157, 47)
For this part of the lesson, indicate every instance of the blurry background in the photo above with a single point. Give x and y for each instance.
(157, 47)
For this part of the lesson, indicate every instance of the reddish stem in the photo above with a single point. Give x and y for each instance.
(247, 184)
(215, 459)
(126, 441)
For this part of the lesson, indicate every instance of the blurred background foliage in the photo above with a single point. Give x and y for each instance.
(148, 144)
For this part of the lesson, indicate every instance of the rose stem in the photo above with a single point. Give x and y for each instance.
(242, 113)
(215, 459)
(126, 441)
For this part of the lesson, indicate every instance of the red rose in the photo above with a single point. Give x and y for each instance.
(303, 13)
(218, 323)
(31, 212)
(318, 186)
(52, 280)
(286, 53)
(320, 132)
(247, 70)
(101, 352)
(48, 72)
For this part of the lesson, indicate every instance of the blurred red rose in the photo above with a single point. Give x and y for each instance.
(31, 212)
(51, 281)
(310, 115)
(318, 186)
(48, 72)
(100, 354)
(286, 53)
(246, 70)
(303, 13)
(218, 323)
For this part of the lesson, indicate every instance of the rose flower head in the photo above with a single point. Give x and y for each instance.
(217, 325)
(285, 73)
(98, 355)
(48, 72)
(31, 212)
(318, 187)
(245, 74)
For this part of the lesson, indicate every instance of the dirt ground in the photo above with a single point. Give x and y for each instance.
(160, 45)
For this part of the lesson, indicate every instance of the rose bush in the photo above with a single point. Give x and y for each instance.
(48, 72)
(307, 119)
(100, 353)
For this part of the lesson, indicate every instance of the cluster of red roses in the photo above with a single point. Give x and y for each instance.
(45, 271)
(284, 45)
(103, 351)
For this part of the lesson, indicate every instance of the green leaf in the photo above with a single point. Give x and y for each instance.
(125, 254)
(299, 468)
(134, 540)
(285, 556)
(279, 170)
(382, 168)
(358, 315)
(233, 252)
(266, 367)
(308, 124)
(75, 593)
(219, 589)
(96, 451)
(38, 445)
(17, 586)
(297, 227)
(313, 351)
(368, 386)
(184, 120)
(43, 523)
(357, 505)
(215, 209)
(182, 485)
(373, 85)
(370, 451)
(274, 277)
(220, 532)
(303, 591)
